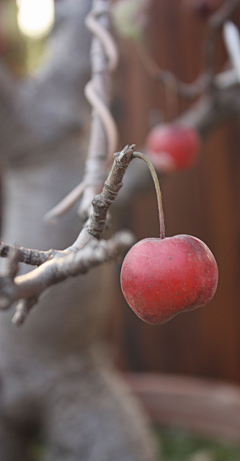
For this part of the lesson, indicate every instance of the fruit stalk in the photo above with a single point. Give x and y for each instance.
(158, 191)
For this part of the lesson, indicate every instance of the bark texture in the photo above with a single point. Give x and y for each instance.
(56, 379)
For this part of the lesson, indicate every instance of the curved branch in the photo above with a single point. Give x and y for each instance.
(66, 203)
(86, 252)
(208, 112)
(104, 134)
(215, 21)
(106, 118)
(56, 270)
(25, 255)
(104, 37)
(206, 78)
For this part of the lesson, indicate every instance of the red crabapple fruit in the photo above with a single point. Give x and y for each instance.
(162, 277)
(172, 147)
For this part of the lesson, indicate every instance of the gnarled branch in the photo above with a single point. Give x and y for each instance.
(86, 252)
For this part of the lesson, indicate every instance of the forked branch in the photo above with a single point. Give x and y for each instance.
(207, 77)
(86, 252)
(104, 134)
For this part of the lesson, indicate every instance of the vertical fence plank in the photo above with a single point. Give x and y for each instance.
(204, 201)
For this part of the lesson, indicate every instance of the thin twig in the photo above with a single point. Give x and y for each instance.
(104, 134)
(232, 43)
(168, 78)
(22, 310)
(62, 207)
(101, 203)
(31, 285)
(106, 118)
(86, 252)
(202, 82)
(25, 255)
(215, 21)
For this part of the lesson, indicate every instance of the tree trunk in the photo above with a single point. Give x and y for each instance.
(56, 375)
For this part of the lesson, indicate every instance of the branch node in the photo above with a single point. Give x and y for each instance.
(112, 185)
(124, 156)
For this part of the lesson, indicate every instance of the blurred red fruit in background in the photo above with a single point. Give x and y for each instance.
(172, 147)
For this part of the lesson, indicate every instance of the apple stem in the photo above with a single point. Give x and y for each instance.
(157, 188)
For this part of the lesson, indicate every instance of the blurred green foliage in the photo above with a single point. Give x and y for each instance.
(177, 445)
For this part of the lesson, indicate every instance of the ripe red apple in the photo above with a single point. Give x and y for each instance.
(161, 278)
(172, 147)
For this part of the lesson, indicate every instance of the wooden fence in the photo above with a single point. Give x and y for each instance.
(204, 201)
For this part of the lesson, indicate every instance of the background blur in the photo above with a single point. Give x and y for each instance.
(203, 201)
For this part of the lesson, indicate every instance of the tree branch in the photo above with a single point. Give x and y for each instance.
(85, 253)
(215, 21)
(208, 112)
(112, 185)
(25, 255)
(31, 285)
(103, 135)
(202, 82)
